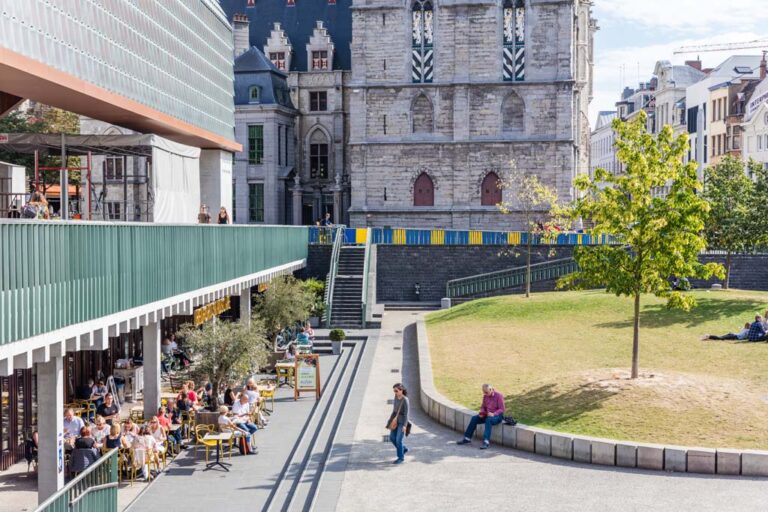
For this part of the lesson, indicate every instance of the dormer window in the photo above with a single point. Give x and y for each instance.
(254, 94)
(320, 59)
(278, 59)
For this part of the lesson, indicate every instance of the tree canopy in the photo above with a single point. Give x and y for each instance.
(658, 236)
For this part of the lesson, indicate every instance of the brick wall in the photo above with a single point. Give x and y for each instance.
(400, 267)
(318, 262)
(748, 271)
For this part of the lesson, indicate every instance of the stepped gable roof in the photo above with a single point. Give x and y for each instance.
(298, 21)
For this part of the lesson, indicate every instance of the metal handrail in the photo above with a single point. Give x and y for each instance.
(103, 469)
(366, 266)
(335, 253)
(508, 278)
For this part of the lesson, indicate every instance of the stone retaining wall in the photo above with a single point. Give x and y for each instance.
(590, 450)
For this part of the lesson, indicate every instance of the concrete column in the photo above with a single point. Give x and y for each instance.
(297, 206)
(245, 306)
(337, 201)
(50, 419)
(151, 350)
(216, 181)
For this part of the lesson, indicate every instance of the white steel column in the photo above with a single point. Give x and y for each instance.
(245, 306)
(151, 350)
(50, 419)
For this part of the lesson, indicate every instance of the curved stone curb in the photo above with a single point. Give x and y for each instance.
(590, 450)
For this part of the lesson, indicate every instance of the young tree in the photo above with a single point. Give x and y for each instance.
(284, 302)
(226, 351)
(759, 207)
(657, 237)
(730, 193)
(528, 196)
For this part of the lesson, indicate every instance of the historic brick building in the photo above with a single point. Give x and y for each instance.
(427, 102)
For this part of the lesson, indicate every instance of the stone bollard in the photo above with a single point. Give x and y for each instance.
(445, 303)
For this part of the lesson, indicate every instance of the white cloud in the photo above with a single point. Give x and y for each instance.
(616, 68)
(696, 16)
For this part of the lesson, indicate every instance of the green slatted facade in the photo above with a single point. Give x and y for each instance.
(54, 274)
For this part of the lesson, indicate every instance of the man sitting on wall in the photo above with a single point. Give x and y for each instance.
(491, 413)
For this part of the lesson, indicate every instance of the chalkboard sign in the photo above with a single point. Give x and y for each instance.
(307, 375)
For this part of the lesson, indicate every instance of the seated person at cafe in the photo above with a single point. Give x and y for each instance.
(227, 425)
(130, 429)
(144, 449)
(86, 440)
(100, 430)
(180, 354)
(210, 398)
(741, 335)
(303, 338)
(290, 354)
(109, 409)
(241, 414)
(115, 439)
(229, 395)
(98, 392)
(310, 331)
(251, 391)
(84, 391)
(72, 426)
(158, 432)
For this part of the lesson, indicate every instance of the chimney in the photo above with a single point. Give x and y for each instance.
(763, 70)
(695, 64)
(240, 32)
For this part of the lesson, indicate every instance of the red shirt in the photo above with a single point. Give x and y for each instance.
(192, 396)
(492, 404)
(164, 421)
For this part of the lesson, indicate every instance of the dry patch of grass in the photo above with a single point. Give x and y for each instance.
(562, 360)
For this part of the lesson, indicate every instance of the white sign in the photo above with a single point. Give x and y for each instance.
(307, 376)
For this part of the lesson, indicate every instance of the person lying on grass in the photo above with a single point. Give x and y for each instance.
(741, 335)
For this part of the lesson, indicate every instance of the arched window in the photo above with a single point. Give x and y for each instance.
(318, 155)
(423, 191)
(490, 192)
(421, 115)
(422, 40)
(254, 94)
(513, 30)
(513, 114)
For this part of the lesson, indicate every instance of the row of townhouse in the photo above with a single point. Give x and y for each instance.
(723, 110)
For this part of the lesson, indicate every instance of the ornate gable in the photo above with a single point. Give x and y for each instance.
(320, 49)
(278, 48)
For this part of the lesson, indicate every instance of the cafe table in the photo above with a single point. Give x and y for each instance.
(219, 437)
(285, 369)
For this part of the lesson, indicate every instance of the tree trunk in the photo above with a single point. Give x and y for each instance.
(528, 268)
(727, 270)
(636, 339)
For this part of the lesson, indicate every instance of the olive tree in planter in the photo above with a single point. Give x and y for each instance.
(283, 303)
(226, 351)
(315, 289)
(337, 336)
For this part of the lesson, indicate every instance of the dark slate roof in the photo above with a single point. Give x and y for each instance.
(253, 68)
(298, 22)
(254, 60)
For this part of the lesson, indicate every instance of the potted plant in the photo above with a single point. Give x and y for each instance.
(315, 290)
(337, 336)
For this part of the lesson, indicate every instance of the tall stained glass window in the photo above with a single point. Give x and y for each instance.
(422, 47)
(514, 40)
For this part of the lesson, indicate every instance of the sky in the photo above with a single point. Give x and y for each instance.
(634, 35)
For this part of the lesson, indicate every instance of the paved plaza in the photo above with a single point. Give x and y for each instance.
(438, 474)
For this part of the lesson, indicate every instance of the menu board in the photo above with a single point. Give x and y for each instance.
(307, 375)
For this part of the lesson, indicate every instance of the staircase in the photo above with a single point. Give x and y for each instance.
(347, 308)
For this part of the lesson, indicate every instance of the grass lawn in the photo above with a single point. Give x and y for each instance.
(562, 360)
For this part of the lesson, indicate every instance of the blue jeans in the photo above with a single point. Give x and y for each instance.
(488, 421)
(250, 427)
(397, 438)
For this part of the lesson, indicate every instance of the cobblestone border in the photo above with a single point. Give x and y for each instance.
(590, 450)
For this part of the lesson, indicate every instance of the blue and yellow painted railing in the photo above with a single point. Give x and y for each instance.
(406, 236)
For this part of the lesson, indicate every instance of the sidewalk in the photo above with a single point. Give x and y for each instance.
(439, 474)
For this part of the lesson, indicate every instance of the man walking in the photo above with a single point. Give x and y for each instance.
(491, 413)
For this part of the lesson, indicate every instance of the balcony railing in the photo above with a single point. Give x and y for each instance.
(94, 489)
(55, 274)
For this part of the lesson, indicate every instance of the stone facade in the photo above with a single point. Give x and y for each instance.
(479, 84)
(389, 147)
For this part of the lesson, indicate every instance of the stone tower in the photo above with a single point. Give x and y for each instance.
(445, 94)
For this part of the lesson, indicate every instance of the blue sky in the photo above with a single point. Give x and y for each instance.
(636, 34)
